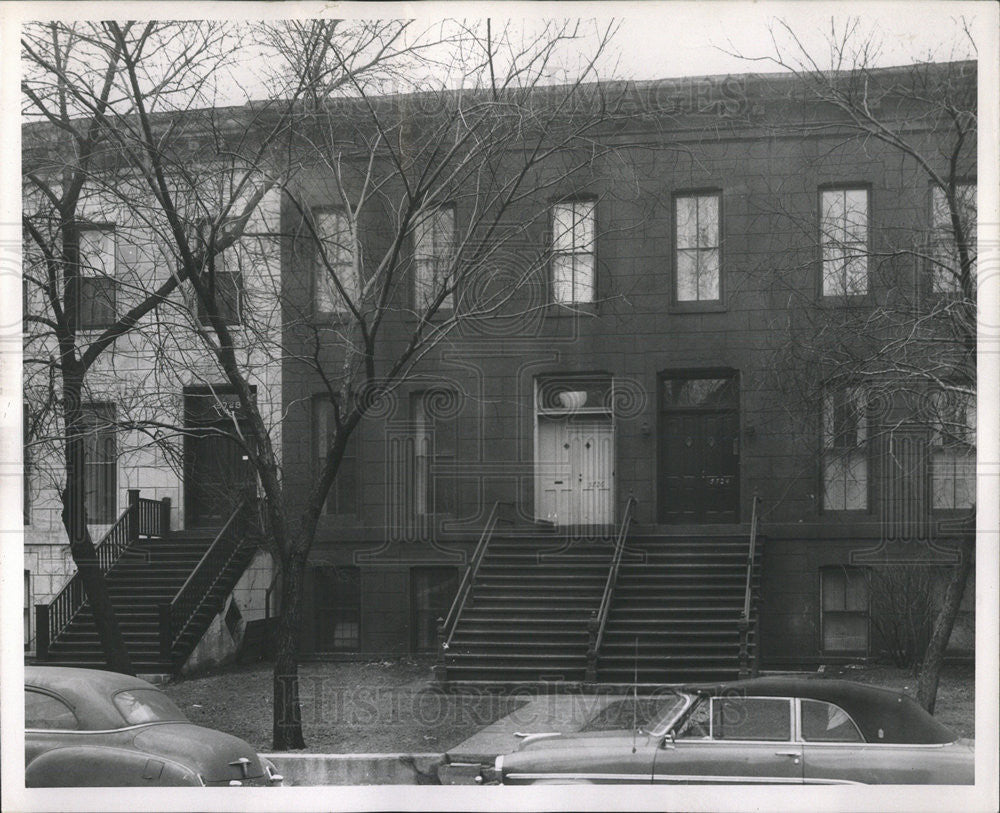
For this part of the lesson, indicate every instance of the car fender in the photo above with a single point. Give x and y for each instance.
(104, 766)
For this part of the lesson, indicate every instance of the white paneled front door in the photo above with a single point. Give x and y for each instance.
(574, 472)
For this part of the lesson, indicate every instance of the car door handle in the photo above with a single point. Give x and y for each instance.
(794, 754)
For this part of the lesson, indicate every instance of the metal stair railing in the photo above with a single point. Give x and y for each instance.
(142, 517)
(744, 622)
(176, 617)
(598, 623)
(446, 628)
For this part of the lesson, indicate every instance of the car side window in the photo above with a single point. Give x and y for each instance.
(825, 722)
(751, 718)
(697, 723)
(45, 711)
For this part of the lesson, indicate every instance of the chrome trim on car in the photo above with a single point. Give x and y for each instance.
(105, 730)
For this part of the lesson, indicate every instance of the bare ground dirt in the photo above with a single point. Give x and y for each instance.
(392, 706)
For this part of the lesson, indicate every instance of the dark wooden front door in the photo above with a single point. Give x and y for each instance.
(699, 456)
(217, 470)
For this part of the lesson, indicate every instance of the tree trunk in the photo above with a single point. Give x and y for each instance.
(81, 546)
(287, 732)
(930, 669)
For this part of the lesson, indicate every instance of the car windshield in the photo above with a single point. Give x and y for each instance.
(147, 706)
(648, 713)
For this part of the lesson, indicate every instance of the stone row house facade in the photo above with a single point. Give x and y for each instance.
(652, 361)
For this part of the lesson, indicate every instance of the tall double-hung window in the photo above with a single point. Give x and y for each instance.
(845, 449)
(573, 245)
(97, 287)
(697, 263)
(953, 451)
(337, 281)
(100, 462)
(433, 254)
(344, 493)
(844, 241)
(946, 266)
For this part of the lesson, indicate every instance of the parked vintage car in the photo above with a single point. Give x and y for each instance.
(765, 730)
(85, 727)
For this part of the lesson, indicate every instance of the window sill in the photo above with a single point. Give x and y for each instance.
(844, 300)
(713, 306)
(564, 310)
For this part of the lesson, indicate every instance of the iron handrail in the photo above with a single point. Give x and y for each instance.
(609, 587)
(750, 557)
(212, 555)
(464, 588)
(142, 517)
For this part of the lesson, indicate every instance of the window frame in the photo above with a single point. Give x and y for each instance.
(426, 497)
(237, 281)
(108, 278)
(676, 303)
(104, 411)
(422, 302)
(846, 570)
(319, 434)
(789, 701)
(51, 696)
(338, 310)
(801, 701)
(937, 443)
(844, 294)
(336, 607)
(862, 447)
(574, 251)
(938, 242)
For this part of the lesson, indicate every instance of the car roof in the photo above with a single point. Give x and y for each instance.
(883, 715)
(88, 691)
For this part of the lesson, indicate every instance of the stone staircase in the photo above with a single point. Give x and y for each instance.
(527, 614)
(148, 574)
(674, 615)
(676, 610)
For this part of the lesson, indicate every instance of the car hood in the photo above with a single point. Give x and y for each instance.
(585, 739)
(208, 751)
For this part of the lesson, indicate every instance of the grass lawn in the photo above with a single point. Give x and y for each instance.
(392, 706)
(350, 708)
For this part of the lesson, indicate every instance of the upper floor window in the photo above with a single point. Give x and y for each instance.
(223, 289)
(844, 241)
(953, 451)
(573, 243)
(100, 462)
(336, 272)
(97, 288)
(946, 266)
(845, 453)
(697, 246)
(433, 254)
(343, 496)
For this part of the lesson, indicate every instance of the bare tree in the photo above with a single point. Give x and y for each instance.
(78, 306)
(892, 359)
(100, 99)
(402, 204)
